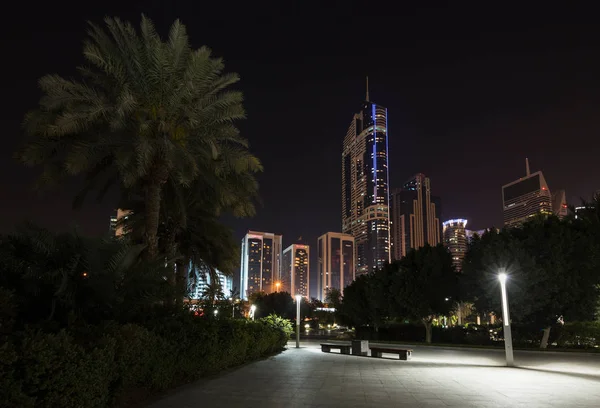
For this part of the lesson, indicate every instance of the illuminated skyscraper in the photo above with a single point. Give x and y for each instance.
(200, 278)
(526, 197)
(260, 263)
(415, 216)
(295, 270)
(365, 200)
(455, 239)
(336, 262)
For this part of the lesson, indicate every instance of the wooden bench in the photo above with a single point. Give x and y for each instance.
(344, 348)
(403, 353)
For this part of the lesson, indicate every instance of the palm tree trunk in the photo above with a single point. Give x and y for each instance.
(152, 216)
(427, 323)
(545, 337)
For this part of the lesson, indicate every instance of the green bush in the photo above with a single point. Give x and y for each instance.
(279, 323)
(124, 362)
(580, 335)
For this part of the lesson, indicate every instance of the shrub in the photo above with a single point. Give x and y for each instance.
(580, 335)
(281, 324)
(107, 365)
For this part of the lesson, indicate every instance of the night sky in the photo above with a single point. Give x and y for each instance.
(470, 93)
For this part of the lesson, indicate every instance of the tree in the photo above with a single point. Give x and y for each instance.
(333, 297)
(364, 301)
(143, 112)
(424, 284)
(552, 266)
(55, 278)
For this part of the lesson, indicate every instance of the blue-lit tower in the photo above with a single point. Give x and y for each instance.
(365, 193)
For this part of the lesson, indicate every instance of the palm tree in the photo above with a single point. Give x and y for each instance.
(191, 234)
(143, 112)
(213, 292)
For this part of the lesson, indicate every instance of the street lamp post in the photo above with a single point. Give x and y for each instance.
(508, 347)
(298, 299)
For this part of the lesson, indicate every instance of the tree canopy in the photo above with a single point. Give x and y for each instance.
(142, 113)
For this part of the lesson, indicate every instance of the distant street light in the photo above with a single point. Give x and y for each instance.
(215, 312)
(277, 285)
(252, 310)
(298, 299)
(508, 347)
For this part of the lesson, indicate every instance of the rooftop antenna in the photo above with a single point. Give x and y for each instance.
(367, 89)
(527, 167)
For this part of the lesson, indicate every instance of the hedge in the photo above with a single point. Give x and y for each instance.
(571, 335)
(125, 362)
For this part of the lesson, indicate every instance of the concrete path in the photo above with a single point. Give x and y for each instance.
(441, 377)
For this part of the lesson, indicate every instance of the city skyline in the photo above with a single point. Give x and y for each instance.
(467, 100)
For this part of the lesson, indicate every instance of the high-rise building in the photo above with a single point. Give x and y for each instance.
(525, 198)
(365, 195)
(115, 226)
(455, 239)
(261, 262)
(415, 216)
(200, 278)
(295, 270)
(559, 204)
(336, 262)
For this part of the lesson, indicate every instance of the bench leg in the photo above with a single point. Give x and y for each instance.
(325, 349)
(345, 350)
(376, 354)
(403, 355)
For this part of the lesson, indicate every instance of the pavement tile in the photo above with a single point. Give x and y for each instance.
(307, 378)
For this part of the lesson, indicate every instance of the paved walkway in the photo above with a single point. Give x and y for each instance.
(306, 377)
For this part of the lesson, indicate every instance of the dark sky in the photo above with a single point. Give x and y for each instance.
(470, 93)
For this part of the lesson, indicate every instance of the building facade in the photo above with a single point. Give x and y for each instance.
(525, 198)
(336, 262)
(116, 226)
(365, 194)
(199, 279)
(295, 270)
(456, 240)
(415, 216)
(260, 265)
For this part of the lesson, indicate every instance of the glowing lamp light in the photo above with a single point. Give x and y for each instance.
(508, 347)
(298, 299)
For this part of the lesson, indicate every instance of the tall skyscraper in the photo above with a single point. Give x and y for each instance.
(336, 262)
(455, 239)
(365, 196)
(559, 204)
(415, 216)
(295, 270)
(526, 197)
(261, 262)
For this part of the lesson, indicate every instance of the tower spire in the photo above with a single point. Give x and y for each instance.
(367, 89)
(527, 167)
